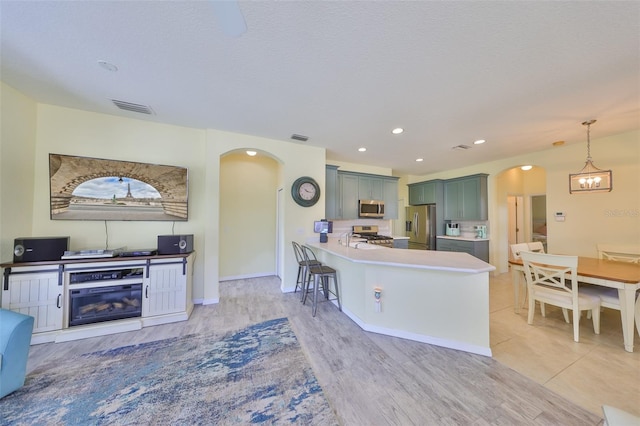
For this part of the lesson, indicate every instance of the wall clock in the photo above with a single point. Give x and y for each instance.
(305, 191)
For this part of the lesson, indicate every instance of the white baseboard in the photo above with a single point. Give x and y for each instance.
(451, 344)
(100, 329)
(247, 276)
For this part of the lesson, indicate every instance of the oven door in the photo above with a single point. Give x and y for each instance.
(371, 208)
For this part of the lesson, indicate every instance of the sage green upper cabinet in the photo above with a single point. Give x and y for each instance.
(390, 198)
(370, 188)
(348, 201)
(429, 192)
(466, 198)
(331, 192)
(344, 189)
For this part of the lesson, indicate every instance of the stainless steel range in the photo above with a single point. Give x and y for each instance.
(370, 234)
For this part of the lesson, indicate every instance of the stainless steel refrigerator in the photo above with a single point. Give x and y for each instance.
(421, 227)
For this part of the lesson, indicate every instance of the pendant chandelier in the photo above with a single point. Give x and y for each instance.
(590, 178)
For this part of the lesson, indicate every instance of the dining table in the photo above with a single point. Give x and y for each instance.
(623, 276)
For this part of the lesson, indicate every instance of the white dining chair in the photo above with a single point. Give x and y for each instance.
(609, 296)
(536, 246)
(619, 252)
(516, 249)
(552, 279)
(616, 417)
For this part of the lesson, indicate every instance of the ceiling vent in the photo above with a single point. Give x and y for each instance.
(302, 138)
(128, 106)
(461, 147)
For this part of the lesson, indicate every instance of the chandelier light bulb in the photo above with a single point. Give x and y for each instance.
(590, 178)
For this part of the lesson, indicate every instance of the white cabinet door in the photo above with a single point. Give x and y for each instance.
(165, 291)
(37, 293)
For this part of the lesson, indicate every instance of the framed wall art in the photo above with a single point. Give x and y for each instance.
(83, 188)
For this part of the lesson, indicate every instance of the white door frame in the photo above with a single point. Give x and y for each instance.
(515, 206)
(279, 233)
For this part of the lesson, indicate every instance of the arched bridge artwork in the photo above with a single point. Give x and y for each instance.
(83, 188)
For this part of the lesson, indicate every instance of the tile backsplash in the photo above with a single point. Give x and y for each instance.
(467, 227)
(343, 226)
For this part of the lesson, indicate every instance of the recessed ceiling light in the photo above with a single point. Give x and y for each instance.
(527, 167)
(479, 142)
(251, 153)
(397, 130)
(363, 149)
(419, 159)
(108, 66)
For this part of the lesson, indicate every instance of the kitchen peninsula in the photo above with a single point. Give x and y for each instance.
(435, 297)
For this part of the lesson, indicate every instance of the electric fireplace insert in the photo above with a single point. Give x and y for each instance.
(97, 304)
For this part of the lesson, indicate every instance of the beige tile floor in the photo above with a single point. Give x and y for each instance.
(594, 372)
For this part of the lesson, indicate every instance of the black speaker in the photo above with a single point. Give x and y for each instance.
(175, 244)
(39, 249)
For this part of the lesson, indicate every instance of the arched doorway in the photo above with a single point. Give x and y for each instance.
(248, 215)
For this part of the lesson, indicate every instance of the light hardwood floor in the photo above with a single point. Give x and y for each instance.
(369, 379)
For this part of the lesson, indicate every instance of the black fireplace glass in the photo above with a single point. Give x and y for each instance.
(92, 305)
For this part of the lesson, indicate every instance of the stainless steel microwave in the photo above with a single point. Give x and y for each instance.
(371, 208)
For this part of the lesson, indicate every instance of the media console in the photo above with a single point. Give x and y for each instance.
(80, 298)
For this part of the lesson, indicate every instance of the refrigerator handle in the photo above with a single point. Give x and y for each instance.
(416, 224)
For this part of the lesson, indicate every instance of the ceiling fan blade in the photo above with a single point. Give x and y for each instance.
(229, 17)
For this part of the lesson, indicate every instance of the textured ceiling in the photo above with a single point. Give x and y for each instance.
(519, 74)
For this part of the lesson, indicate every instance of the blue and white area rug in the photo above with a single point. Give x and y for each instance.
(256, 375)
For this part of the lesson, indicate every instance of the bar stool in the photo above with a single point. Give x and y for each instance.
(320, 274)
(302, 269)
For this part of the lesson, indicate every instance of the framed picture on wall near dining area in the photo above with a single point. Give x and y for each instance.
(83, 188)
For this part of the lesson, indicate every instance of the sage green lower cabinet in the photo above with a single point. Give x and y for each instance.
(401, 243)
(479, 249)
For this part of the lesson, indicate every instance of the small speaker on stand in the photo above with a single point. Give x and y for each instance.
(39, 249)
(175, 244)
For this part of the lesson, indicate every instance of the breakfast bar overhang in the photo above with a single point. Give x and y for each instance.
(435, 297)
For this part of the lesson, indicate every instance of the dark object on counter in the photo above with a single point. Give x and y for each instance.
(323, 227)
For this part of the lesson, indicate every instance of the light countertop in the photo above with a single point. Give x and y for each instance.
(447, 237)
(419, 259)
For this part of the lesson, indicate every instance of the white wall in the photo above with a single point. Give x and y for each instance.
(17, 148)
(61, 130)
(31, 131)
(361, 168)
(592, 217)
(73, 132)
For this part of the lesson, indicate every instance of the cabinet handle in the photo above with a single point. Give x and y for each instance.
(146, 292)
(58, 301)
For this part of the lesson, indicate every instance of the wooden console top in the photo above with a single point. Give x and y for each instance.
(93, 260)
